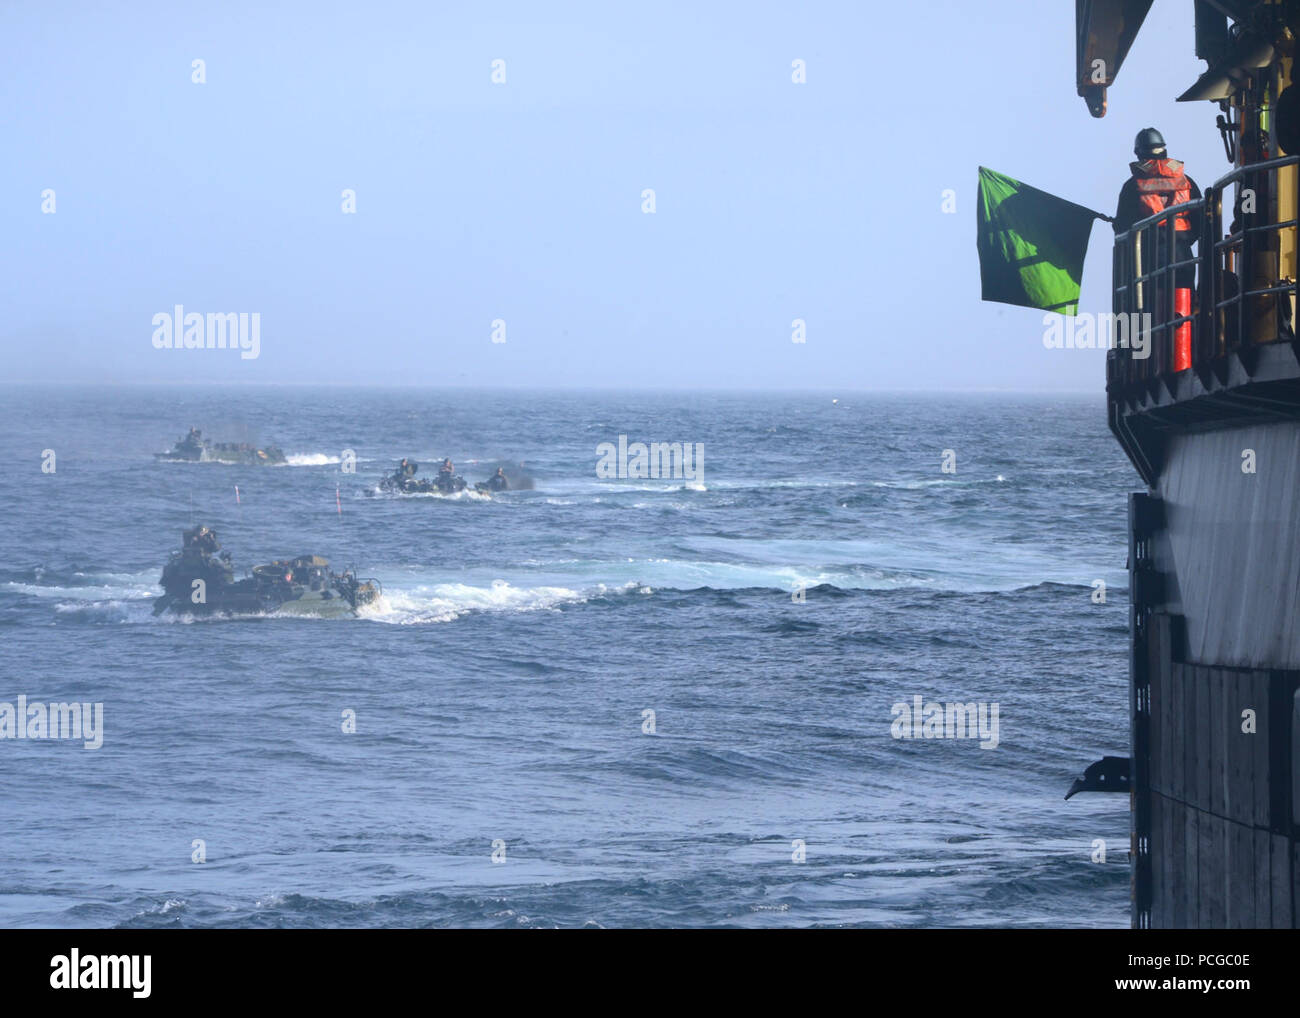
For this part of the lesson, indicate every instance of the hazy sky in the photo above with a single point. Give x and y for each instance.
(522, 201)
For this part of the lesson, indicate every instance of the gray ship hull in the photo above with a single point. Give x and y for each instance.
(1215, 567)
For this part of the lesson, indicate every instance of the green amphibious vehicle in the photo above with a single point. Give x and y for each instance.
(194, 448)
(199, 579)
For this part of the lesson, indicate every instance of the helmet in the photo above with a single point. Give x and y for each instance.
(1149, 142)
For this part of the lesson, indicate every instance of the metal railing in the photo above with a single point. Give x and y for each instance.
(1239, 295)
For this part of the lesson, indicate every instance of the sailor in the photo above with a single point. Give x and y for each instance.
(498, 481)
(447, 468)
(1156, 183)
(202, 540)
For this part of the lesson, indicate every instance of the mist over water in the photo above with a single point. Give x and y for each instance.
(499, 684)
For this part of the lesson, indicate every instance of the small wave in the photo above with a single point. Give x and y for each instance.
(93, 612)
(122, 589)
(464, 495)
(679, 506)
(444, 602)
(937, 482)
(573, 488)
(758, 483)
(589, 488)
(166, 908)
(310, 459)
(1054, 587)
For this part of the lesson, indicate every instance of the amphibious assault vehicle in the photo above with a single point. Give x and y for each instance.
(199, 579)
(404, 482)
(194, 448)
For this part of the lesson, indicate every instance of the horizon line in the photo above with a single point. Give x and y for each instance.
(819, 390)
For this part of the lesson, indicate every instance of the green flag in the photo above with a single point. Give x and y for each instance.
(1031, 244)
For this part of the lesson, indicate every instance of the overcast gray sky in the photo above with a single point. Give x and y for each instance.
(523, 201)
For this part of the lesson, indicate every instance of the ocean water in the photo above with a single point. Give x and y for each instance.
(499, 687)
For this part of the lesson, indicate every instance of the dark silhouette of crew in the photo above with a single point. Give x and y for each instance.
(1156, 183)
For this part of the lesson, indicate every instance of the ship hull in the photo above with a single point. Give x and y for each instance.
(1215, 670)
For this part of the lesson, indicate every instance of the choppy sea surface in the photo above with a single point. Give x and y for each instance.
(501, 684)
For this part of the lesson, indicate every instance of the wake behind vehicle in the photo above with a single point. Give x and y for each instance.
(199, 579)
(194, 448)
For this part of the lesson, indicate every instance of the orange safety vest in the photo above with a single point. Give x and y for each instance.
(1161, 183)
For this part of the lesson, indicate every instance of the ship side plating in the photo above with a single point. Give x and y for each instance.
(1214, 541)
